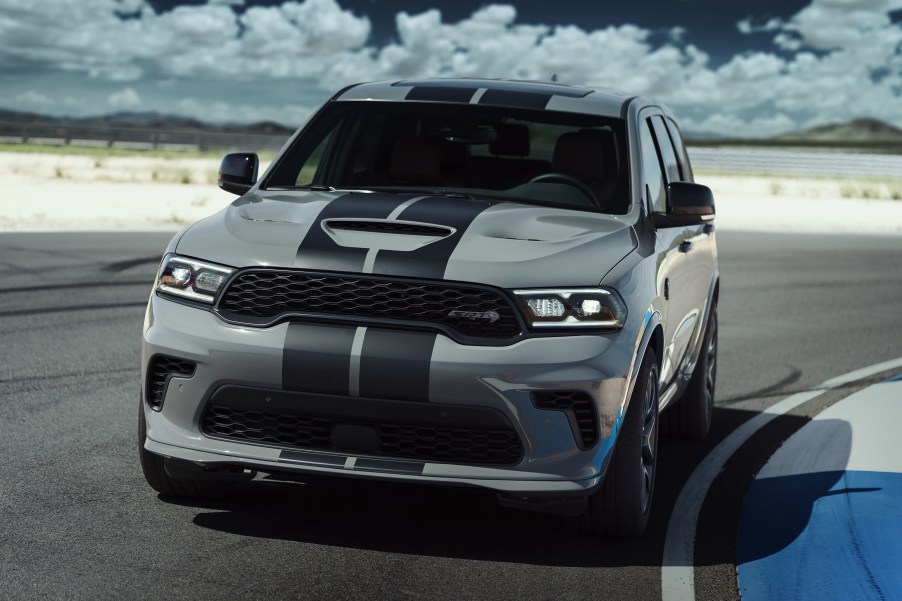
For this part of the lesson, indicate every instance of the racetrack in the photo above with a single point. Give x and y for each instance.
(78, 521)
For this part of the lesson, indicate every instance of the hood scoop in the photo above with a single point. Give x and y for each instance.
(384, 234)
(389, 227)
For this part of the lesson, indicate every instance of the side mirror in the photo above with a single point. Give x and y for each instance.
(689, 204)
(238, 172)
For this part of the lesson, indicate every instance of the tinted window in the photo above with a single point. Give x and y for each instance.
(307, 174)
(651, 169)
(668, 155)
(487, 151)
(682, 155)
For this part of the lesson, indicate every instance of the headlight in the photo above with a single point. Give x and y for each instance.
(572, 308)
(192, 279)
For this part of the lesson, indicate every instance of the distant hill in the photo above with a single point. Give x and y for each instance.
(858, 130)
(149, 120)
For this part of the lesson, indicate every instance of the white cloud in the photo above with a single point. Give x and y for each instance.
(829, 54)
(35, 101)
(724, 123)
(127, 98)
(229, 112)
(210, 40)
(747, 26)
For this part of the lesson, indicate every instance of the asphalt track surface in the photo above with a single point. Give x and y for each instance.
(78, 521)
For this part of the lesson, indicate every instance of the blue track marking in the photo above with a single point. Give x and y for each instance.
(823, 519)
(896, 378)
(830, 535)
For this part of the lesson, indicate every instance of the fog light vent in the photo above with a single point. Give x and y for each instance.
(580, 410)
(160, 369)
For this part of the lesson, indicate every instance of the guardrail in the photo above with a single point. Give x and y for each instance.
(754, 161)
(142, 139)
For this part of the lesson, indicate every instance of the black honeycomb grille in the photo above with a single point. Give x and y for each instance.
(580, 406)
(403, 441)
(264, 296)
(159, 370)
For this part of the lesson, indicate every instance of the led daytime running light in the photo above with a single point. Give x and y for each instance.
(191, 279)
(600, 308)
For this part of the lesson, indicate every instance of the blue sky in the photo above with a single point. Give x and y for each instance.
(735, 68)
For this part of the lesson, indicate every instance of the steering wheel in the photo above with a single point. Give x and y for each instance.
(566, 179)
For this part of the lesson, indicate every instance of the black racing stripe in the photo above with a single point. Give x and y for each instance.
(431, 260)
(528, 100)
(395, 365)
(317, 358)
(441, 94)
(319, 251)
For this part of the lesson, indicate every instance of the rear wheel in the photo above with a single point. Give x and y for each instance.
(163, 483)
(620, 508)
(690, 418)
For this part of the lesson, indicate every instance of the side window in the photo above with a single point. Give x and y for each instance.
(668, 155)
(300, 165)
(308, 170)
(682, 155)
(651, 169)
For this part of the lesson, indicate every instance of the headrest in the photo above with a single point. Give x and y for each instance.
(511, 139)
(416, 161)
(588, 154)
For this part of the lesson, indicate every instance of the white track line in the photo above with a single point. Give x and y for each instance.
(678, 565)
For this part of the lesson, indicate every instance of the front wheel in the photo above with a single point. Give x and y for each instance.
(620, 508)
(163, 483)
(690, 417)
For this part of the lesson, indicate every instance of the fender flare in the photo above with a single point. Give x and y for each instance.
(651, 322)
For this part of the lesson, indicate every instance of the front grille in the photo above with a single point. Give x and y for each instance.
(159, 370)
(388, 227)
(581, 408)
(403, 441)
(262, 297)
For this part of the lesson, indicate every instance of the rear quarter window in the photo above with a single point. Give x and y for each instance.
(682, 155)
(665, 147)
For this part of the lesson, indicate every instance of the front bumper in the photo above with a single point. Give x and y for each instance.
(494, 378)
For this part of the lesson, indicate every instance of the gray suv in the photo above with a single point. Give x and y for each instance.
(479, 283)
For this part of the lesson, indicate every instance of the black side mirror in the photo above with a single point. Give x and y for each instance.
(689, 204)
(238, 172)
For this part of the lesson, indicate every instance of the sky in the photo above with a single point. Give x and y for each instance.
(725, 67)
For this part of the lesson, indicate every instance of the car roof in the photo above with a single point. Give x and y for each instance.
(494, 92)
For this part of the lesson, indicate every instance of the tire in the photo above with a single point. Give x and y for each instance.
(621, 507)
(690, 418)
(163, 483)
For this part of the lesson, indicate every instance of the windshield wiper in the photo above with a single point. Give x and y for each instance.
(315, 188)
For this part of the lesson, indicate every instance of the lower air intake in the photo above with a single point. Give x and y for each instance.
(461, 445)
(160, 369)
(580, 409)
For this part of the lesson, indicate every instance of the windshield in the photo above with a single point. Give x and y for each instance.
(540, 157)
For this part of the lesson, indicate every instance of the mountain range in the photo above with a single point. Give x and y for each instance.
(149, 120)
(857, 130)
(862, 132)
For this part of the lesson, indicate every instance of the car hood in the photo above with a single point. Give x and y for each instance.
(455, 238)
